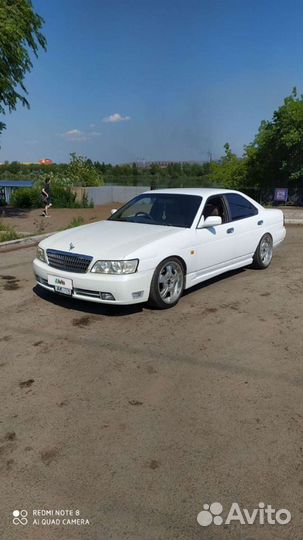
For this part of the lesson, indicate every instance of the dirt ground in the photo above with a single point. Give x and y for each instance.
(32, 222)
(137, 417)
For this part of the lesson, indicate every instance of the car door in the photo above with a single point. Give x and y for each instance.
(246, 225)
(215, 246)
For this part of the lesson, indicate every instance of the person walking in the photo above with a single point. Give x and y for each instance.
(46, 197)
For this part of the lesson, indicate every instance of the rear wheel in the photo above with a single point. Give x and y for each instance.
(263, 254)
(167, 284)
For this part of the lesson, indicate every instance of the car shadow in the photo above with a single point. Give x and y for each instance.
(11, 212)
(120, 311)
(214, 280)
(87, 307)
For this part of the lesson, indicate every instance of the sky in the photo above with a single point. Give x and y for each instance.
(129, 80)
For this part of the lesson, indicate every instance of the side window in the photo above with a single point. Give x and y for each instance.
(215, 206)
(240, 208)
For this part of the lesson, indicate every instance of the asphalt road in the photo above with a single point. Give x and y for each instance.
(137, 418)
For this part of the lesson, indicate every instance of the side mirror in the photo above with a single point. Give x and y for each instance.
(210, 221)
(113, 210)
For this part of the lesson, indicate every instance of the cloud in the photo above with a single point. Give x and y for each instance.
(75, 135)
(116, 117)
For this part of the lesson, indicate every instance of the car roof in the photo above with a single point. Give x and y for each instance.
(202, 192)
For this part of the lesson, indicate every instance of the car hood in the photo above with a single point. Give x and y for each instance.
(109, 239)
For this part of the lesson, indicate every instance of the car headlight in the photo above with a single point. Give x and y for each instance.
(41, 254)
(115, 267)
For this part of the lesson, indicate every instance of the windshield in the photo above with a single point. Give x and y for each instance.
(172, 210)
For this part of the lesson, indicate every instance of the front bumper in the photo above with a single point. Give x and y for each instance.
(88, 286)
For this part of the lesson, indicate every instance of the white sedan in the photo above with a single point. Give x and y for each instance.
(158, 244)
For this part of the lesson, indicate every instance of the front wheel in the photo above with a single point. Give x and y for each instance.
(167, 284)
(263, 254)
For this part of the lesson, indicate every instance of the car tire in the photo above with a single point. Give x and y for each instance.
(167, 284)
(263, 254)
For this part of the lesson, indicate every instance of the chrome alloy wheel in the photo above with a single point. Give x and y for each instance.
(170, 281)
(266, 250)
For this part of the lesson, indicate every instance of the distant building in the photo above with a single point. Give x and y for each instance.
(8, 186)
(45, 161)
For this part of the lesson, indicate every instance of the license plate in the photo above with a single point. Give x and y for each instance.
(62, 285)
(63, 290)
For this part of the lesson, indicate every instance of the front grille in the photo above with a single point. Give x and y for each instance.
(69, 262)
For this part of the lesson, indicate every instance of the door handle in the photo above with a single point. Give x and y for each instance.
(260, 222)
(229, 231)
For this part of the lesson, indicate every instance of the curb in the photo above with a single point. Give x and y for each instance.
(20, 243)
(293, 222)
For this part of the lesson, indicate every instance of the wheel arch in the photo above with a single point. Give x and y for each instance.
(182, 261)
(153, 300)
(263, 234)
(258, 261)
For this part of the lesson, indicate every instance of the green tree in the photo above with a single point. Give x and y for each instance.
(230, 172)
(155, 169)
(275, 157)
(82, 172)
(174, 170)
(19, 37)
(134, 169)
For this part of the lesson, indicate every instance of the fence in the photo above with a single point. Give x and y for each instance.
(110, 194)
(266, 195)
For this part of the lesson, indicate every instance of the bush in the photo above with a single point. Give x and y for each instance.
(85, 203)
(26, 198)
(61, 197)
(7, 233)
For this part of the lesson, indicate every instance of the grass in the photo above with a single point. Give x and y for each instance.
(76, 222)
(7, 233)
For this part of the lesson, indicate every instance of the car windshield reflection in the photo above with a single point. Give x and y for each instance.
(170, 210)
